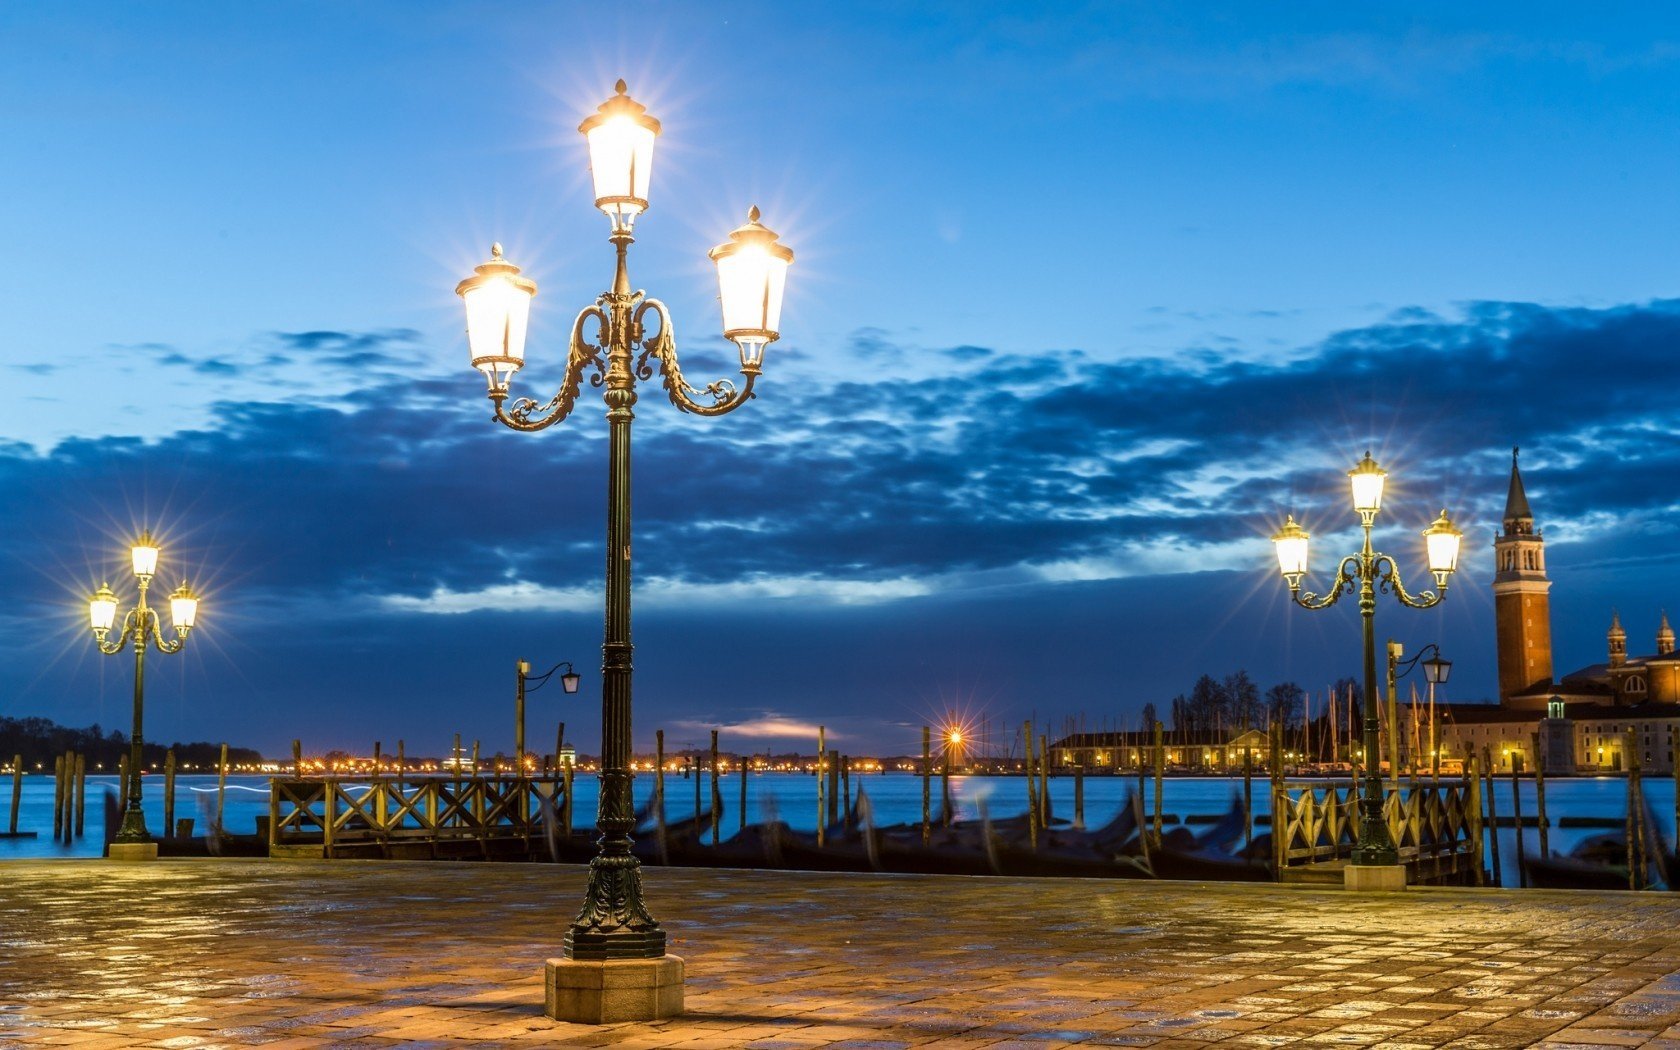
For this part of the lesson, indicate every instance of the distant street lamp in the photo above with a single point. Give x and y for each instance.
(1368, 572)
(1435, 672)
(568, 682)
(140, 626)
(614, 924)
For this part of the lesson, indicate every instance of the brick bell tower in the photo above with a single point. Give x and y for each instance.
(1522, 610)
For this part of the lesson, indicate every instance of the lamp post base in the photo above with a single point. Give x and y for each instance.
(1374, 878)
(129, 851)
(611, 991)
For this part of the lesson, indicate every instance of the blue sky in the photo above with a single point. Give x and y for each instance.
(1082, 306)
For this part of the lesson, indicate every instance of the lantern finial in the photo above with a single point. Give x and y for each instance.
(621, 87)
(752, 213)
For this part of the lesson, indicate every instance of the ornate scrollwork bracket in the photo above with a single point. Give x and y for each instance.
(1388, 579)
(1345, 583)
(525, 414)
(723, 395)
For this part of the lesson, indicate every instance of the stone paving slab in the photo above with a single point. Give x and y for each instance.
(197, 954)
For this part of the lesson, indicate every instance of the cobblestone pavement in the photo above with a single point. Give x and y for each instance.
(201, 953)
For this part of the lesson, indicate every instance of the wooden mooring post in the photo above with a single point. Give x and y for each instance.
(1473, 781)
(927, 800)
(17, 793)
(658, 769)
(945, 785)
(1079, 795)
(845, 791)
(297, 757)
(717, 796)
(742, 770)
(221, 787)
(1540, 797)
(834, 788)
(1160, 773)
(81, 792)
(169, 793)
(58, 798)
(1248, 799)
(822, 780)
(1492, 812)
(1516, 816)
(1044, 782)
(1032, 785)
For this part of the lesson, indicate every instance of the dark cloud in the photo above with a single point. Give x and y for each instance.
(967, 480)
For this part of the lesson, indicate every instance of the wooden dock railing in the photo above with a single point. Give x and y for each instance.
(1436, 827)
(414, 817)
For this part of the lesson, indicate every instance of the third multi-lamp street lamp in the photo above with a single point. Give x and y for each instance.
(141, 627)
(614, 924)
(1368, 572)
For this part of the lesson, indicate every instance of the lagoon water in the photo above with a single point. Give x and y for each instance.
(895, 797)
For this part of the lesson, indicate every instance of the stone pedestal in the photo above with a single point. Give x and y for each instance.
(613, 991)
(133, 851)
(1374, 878)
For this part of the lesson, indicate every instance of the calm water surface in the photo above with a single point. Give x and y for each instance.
(896, 798)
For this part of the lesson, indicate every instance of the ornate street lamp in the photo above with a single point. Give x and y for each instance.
(1435, 672)
(614, 924)
(140, 626)
(1368, 572)
(568, 682)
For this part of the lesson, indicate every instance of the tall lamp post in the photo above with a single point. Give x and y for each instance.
(1368, 572)
(1435, 671)
(140, 626)
(614, 927)
(568, 682)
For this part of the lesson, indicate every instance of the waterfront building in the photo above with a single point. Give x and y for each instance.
(1101, 752)
(1584, 721)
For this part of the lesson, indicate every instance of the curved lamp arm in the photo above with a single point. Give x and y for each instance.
(1401, 670)
(1342, 584)
(542, 679)
(111, 648)
(1388, 579)
(663, 348)
(581, 354)
(166, 646)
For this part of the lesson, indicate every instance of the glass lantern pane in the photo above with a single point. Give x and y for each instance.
(103, 613)
(498, 315)
(145, 560)
(183, 611)
(750, 286)
(1292, 555)
(1367, 491)
(621, 159)
(1442, 551)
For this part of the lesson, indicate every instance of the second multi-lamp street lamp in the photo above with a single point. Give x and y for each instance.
(141, 627)
(596, 981)
(1368, 572)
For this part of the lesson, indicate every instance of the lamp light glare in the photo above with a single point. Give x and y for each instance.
(498, 304)
(752, 277)
(144, 555)
(102, 609)
(621, 137)
(1441, 542)
(1366, 479)
(1291, 541)
(183, 608)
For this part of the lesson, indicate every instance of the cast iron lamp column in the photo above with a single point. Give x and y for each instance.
(614, 923)
(1368, 572)
(142, 628)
